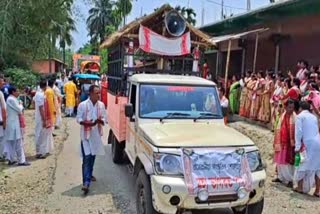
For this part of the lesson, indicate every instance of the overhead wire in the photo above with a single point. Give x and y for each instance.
(228, 6)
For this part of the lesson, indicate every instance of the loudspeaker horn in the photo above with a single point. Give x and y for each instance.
(175, 24)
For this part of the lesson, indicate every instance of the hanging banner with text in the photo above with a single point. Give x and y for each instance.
(216, 170)
(151, 42)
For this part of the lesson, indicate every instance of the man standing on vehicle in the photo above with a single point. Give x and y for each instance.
(92, 117)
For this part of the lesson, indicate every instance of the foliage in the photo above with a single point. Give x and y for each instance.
(104, 18)
(29, 29)
(100, 16)
(188, 13)
(22, 78)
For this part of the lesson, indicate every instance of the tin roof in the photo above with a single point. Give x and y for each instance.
(271, 13)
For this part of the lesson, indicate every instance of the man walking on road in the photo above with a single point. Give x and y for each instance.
(92, 117)
(70, 90)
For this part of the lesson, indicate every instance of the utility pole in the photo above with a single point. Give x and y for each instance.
(222, 7)
(248, 5)
(202, 14)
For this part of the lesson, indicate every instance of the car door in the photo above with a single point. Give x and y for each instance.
(132, 125)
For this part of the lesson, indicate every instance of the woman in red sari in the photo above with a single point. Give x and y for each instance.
(104, 90)
(284, 145)
(256, 96)
(293, 92)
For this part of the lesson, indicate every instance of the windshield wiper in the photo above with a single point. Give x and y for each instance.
(206, 115)
(179, 114)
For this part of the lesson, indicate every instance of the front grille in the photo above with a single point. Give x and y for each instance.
(218, 199)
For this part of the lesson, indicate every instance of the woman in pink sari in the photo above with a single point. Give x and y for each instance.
(314, 98)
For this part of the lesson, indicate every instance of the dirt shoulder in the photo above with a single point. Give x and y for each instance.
(278, 199)
(23, 189)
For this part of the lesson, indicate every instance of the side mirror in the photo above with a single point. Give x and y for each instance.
(129, 110)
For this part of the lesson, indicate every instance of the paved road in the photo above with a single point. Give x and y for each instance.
(120, 183)
(112, 193)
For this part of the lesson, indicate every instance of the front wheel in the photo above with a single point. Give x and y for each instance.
(117, 150)
(143, 194)
(255, 208)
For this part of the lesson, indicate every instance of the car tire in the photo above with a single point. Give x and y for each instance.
(143, 194)
(255, 208)
(117, 150)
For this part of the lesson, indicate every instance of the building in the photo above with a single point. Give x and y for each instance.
(272, 37)
(43, 66)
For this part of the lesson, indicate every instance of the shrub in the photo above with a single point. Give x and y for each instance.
(22, 78)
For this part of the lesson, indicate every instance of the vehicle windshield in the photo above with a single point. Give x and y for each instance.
(179, 101)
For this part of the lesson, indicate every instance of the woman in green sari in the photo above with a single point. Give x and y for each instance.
(234, 95)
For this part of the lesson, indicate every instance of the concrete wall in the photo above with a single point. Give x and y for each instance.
(42, 66)
(303, 43)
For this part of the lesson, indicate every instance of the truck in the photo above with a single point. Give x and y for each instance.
(167, 123)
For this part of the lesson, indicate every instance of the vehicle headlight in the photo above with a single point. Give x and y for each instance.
(255, 161)
(168, 164)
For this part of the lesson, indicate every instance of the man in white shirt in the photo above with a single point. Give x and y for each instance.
(307, 138)
(13, 133)
(42, 128)
(91, 116)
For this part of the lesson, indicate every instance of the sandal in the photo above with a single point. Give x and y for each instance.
(316, 195)
(276, 180)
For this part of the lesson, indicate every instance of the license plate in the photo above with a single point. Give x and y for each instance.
(218, 171)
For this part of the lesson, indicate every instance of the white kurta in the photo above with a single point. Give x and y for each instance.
(13, 131)
(87, 111)
(307, 131)
(41, 134)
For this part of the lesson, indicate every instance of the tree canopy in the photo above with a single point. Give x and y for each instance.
(30, 29)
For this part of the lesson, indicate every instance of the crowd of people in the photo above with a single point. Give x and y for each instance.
(291, 104)
(51, 95)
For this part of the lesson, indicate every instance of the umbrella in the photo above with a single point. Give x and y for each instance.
(87, 76)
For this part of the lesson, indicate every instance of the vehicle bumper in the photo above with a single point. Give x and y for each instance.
(161, 201)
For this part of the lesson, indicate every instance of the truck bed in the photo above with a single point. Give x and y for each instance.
(116, 116)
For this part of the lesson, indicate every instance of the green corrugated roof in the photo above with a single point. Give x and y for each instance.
(271, 13)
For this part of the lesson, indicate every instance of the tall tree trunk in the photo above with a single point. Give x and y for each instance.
(50, 54)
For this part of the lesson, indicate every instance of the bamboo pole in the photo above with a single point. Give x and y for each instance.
(255, 53)
(227, 64)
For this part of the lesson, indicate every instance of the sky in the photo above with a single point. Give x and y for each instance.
(212, 12)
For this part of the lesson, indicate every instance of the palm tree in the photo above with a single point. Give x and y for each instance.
(188, 13)
(100, 16)
(66, 37)
(124, 7)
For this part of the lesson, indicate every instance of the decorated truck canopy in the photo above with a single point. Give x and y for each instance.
(162, 42)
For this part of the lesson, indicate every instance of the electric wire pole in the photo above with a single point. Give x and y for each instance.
(248, 5)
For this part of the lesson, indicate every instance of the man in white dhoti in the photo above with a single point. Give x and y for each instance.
(92, 117)
(13, 131)
(3, 116)
(307, 137)
(43, 122)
